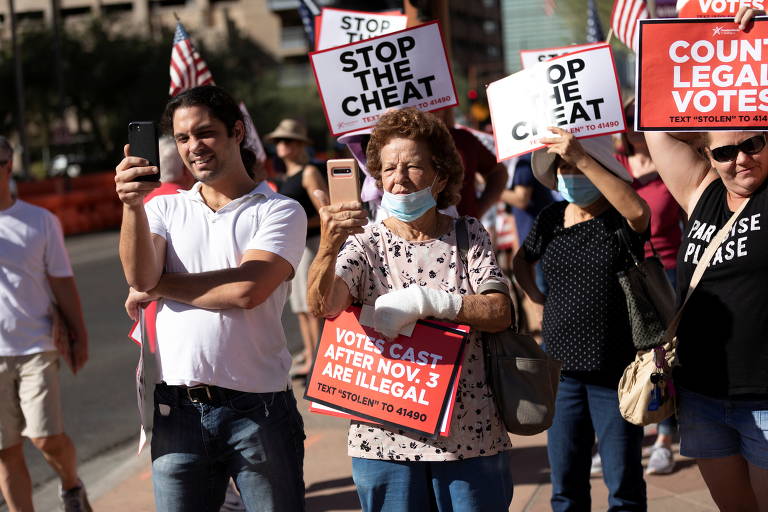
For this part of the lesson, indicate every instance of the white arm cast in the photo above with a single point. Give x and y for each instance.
(397, 309)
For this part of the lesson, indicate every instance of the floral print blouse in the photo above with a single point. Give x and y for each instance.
(377, 262)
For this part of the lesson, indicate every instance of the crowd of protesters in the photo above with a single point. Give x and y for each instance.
(218, 251)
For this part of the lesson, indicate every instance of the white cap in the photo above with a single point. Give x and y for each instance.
(599, 148)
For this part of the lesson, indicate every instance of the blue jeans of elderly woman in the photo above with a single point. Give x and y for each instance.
(469, 485)
(586, 407)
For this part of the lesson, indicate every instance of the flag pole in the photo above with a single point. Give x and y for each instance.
(652, 8)
(610, 36)
(20, 106)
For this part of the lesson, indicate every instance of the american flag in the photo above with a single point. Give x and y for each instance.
(594, 28)
(308, 9)
(188, 69)
(626, 14)
(252, 140)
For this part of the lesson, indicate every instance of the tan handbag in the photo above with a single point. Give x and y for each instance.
(646, 391)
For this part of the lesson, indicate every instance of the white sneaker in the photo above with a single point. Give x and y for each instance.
(75, 500)
(597, 465)
(661, 461)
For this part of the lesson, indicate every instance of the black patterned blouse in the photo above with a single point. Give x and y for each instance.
(377, 262)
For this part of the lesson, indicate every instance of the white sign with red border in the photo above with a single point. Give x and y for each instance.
(340, 26)
(578, 92)
(529, 58)
(358, 82)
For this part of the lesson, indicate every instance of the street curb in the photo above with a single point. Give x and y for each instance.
(101, 474)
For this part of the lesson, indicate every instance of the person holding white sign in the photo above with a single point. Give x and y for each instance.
(722, 380)
(408, 268)
(586, 324)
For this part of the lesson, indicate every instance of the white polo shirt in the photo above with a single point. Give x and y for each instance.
(242, 349)
(31, 248)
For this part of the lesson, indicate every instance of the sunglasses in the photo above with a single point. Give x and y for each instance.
(751, 146)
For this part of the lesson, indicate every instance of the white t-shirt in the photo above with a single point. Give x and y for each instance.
(242, 349)
(31, 248)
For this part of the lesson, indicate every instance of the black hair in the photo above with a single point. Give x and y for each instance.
(221, 105)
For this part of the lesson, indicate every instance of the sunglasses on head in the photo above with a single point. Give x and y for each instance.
(750, 146)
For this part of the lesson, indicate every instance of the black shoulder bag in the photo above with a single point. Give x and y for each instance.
(649, 294)
(522, 377)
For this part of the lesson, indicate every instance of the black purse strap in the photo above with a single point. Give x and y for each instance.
(462, 247)
(462, 242)
(622, 233)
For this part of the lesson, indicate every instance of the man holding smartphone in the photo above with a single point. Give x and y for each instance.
(218, 258)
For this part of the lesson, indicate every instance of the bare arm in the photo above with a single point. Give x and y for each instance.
(524, 272)
(244, 287)
(618, 192)
(142, 256)
(491, 312)
(519, 196)
(495, 183)
(685, 172)
(65, 293)
(327, 293)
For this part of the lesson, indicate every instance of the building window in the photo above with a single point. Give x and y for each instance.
(168, 3)
(489, 27)
(75, 11)
(108, 9)
(295, 75)
(293, 38)
(492, 50)
(489, 4)
(30, 16)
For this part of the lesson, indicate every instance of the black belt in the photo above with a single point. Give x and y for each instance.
(204, 394)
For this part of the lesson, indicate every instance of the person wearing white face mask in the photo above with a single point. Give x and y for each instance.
(586, 324)
(408, 268)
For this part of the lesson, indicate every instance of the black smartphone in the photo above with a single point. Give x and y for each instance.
(142, 136)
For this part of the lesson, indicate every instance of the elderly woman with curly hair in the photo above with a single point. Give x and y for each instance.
(408, 268)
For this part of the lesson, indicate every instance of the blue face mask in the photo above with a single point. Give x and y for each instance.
(409, 207)
(577, 189)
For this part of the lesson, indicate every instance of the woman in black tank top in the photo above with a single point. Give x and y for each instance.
(722, 380)
(302, 179)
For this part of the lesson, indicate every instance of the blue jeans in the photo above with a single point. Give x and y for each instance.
(584, 409)
(255, 438)
(476, 484)
(713, 428)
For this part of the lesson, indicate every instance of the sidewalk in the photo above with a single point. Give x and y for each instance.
(327, 473)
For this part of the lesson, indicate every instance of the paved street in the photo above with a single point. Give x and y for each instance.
(101, 417)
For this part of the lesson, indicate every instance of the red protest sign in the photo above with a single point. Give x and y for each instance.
(714, 8)
(445, 420)
(404, 382)
(702, 74)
